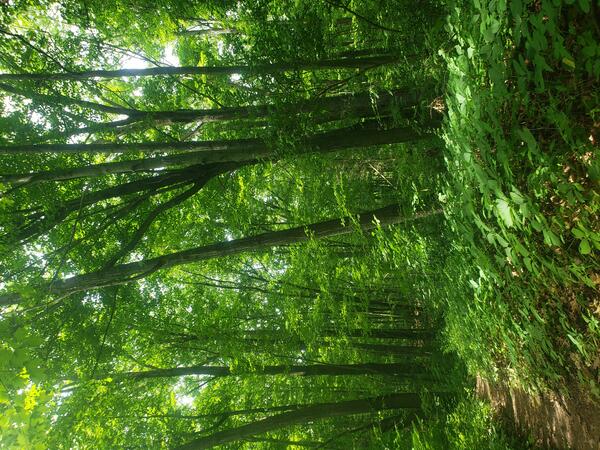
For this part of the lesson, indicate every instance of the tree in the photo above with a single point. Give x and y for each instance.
(194, 70)
(307, 414)
(125, 273)
(182, 261)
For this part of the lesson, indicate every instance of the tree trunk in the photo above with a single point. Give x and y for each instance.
(207, 31)
(297, 370)
(393, 349)
(307, 414)
(327, 108)
(125, 273)
(198, 152)
(348, 63)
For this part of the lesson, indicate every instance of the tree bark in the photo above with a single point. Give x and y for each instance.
(125, 273)
(359, 106)
(328, 108)
(393, 349)
(348, 63)
(199, 152)
(206, 31)
(295, 370)
(310, 413)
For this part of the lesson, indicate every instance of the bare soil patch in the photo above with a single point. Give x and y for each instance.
(551, 420)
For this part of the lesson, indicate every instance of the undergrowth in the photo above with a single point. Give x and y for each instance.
(470, 425)
(523, 193)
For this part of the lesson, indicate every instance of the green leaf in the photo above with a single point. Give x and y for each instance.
(5, 356)
(504, 212)
(584, 247)
(516, 7)
(550, 238)
(585, 5)
(569, 63)
(528, 138)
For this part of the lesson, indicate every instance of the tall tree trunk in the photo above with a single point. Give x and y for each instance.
(327, 108)
(202, 167)
(125, 273)
(207, 31)
(199, 152)
(348, 63)
(295, 370)
(307, 414)
(394, 349)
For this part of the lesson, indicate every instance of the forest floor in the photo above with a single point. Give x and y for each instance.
(523, 198)
(548, 421)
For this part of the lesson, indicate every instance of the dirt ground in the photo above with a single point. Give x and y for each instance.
(551, 421)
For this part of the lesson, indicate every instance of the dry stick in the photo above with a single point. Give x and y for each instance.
(344, 63)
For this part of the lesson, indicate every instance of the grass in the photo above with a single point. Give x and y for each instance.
(523, 191)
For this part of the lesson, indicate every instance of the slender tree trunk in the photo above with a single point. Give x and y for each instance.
(330, 108)
(392, 349)
(409, 333)
(57, 99)
(231, 413)
(310, 413)
(302, 371)
(134, 147)
(199, 152)
(207, 31)
(202, 166)
(125, 273)
(284, 443)
(40, 223)
(348, 63)
(355, 53)
(326, 109)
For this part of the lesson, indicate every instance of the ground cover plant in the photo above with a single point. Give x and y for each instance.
(525, 182)
(294, 224)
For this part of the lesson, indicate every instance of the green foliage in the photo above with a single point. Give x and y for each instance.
(24, 419)
(469, 425)
(523, 193)
(495, 261)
